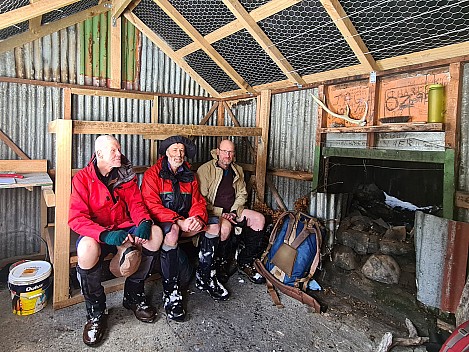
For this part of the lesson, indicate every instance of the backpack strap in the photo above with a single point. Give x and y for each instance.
(293, 292)
(273, 234)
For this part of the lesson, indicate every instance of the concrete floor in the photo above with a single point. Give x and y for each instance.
(247, 322)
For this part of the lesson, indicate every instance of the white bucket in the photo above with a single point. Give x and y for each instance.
(29, 284)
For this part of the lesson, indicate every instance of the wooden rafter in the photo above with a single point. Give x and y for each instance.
(118, 7)
(263, 40)
(345, 26)
(204, 44)
(35, 23)
(170, 52)
(258, 14)
(32, 10)
(29, 36)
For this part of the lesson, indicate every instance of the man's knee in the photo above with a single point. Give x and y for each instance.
(88, 252)
(156, 239)
(256, 220)
(225, 232)
(171, 238)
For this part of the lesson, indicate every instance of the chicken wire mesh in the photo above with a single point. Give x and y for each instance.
(160, 23)
(10, 5)
(307, 37)
(252, 62)
(391, 28)
(250, 5)
(68, 10)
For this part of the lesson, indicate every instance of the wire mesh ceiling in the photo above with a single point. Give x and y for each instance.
(247, 43)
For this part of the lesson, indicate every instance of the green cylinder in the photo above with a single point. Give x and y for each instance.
(436, 103)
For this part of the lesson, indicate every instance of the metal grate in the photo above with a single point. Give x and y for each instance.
(9, 5)
(205, 16)
(248, 58)
(309, 40)
(210, 72)
(250, 5)
(392, 28)
(160, 23)
(68, 10)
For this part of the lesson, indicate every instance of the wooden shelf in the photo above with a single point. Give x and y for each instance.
(390, 127)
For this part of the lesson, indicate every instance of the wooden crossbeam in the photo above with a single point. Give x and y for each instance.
(118, 7)
(204, 44)
(253, 28)
(345, 26)
(29, 36)
(35, 23)
(32, 10)
(100, 127)
(170, 52)
(257, 14)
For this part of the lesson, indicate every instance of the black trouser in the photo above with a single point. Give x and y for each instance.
(252, 245)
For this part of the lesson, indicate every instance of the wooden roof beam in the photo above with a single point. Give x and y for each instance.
(35, 23)
(263, 40)
(170, 52)
(29, 36)
(32, 10)
(118, 7)
(345, 26)
(204, 44)
(258, 14)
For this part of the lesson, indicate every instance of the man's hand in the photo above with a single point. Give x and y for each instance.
(114, 238)
(143, 230)
(230, 217)
(190, 224)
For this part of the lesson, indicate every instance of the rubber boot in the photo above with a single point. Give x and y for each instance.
(134, 289)
(221, 262)
(172, 297)
(95, 302)
(205, 277)
(252, 248)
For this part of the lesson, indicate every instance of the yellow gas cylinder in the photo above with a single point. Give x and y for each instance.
(436, 103)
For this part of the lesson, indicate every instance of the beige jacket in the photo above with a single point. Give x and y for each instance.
(210, 175)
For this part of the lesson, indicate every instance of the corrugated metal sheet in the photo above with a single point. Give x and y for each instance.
(292, 141)
(441, 248)
(25, 111)
(463, 181)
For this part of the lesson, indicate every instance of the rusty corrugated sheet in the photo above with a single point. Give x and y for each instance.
(441, 247)
(462, 183)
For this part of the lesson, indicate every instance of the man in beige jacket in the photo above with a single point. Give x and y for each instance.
(222, 184)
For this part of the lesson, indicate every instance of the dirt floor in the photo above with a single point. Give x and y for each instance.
(359, 313)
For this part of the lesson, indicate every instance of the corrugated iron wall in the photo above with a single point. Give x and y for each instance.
(25, 111)
(463, 180)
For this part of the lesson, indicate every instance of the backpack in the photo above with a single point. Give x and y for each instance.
(291, 257)
(458, 341)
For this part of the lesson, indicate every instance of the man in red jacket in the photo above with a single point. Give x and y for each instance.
(107, 210)
(171, 193)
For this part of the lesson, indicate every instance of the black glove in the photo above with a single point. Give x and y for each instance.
(114, 238)
(143, 230)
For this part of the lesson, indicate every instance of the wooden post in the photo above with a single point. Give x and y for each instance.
(373, 103)
(116, 52)
(67, 104)
(263, 121)
(63, 186)
(321, 122)
(220, 119)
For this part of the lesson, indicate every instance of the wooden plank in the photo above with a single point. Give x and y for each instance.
(169, 9)
(113, 93)
(63, 181)
(10, 144)
(373, 107)
(49, 197)
(387, 154)
(38, 179)
(31, 35)
(462, 199)
(118, 7)
(209, 114)
(154, 119)
(350, 34)
(24, 166)
(275, 194)
(142, 27)
(449, 184)
(27, 12)
(263, 121)
(296, 175)
(258, 14)
(67, 104)
(263, 40)
(116, 54)
(390, 127)
(35, 23)
(148, 130)
(453, 106)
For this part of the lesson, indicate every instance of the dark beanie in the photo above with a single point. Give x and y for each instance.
(188, 145)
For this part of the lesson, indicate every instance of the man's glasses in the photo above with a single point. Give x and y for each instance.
(228, 152)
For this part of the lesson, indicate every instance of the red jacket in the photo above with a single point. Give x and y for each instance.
(166, 205)
(92, 208)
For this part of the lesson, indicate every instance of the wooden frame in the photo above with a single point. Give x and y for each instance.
(65, 128)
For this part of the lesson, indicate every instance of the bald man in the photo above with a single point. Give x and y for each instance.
(107, 210)
(222, 184)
